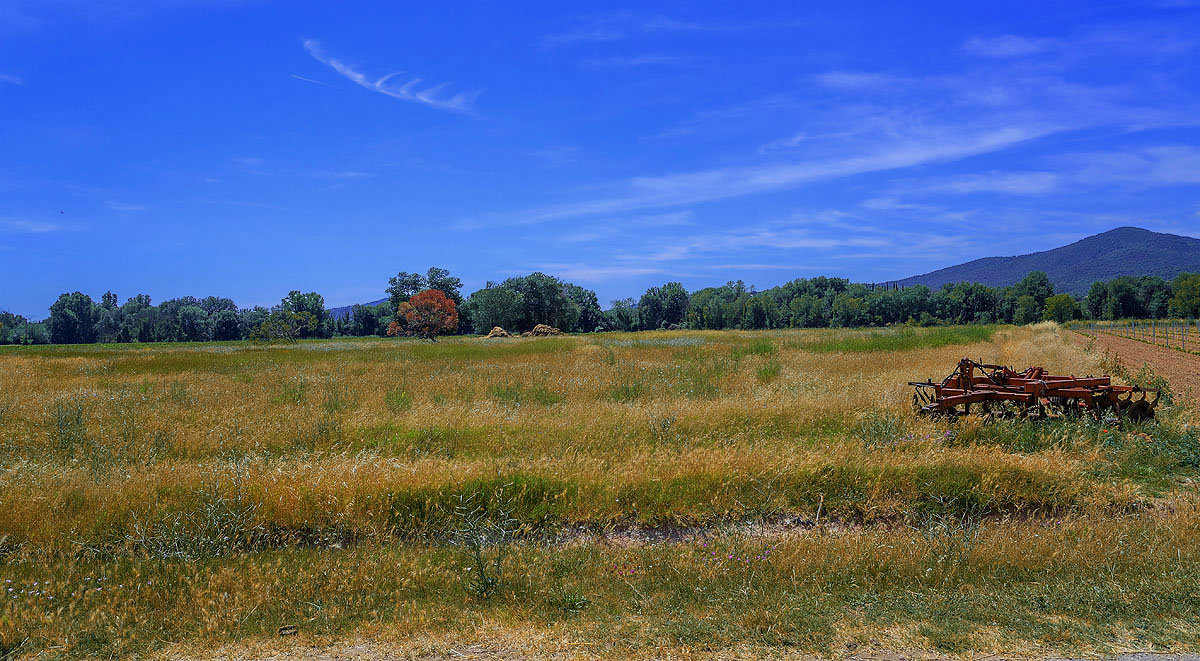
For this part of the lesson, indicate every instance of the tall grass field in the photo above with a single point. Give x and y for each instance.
(682, 494)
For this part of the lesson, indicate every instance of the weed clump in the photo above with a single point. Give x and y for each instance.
(68, 424)
(398, 400)
(481, 538)
(625, 392)
(879, 429)
(516, 395)
(222, 519)
(292, 390)
(768, 373)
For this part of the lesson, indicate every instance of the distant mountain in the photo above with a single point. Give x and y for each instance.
(1073, 268)
(344, 311)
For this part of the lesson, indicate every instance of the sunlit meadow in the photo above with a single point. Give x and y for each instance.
(690, 491)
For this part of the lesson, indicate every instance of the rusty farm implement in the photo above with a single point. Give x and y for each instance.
(999, 392)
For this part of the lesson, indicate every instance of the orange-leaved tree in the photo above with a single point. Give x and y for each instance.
(428, 314)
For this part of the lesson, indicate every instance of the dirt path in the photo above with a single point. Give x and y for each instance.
(1181, 370)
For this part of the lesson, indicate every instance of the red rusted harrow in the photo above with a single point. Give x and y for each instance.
(1002, 393)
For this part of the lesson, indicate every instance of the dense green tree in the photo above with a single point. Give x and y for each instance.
(403, 286)
(138, 319)
(283, 325)
(226, 325)
(214, 304)
(312, 305)
(1036, 284)
(1186, 299)
(663, 306)
(16, 329)
(808, 311)
(591, 317)
(544, 301)
(1027, 310)
(440, 279)
(496, 305)
(73, 319)
(1096, 302)
(707, 308)
(194, 324)
(1061, 308)
(367, 320)
(108, 322)
(621, 315)
(252, 318)
(848, 311)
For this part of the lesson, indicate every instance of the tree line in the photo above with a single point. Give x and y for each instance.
(519, 303)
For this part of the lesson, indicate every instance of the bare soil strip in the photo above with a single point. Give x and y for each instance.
(1182, 370)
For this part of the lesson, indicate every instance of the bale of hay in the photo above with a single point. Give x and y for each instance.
(497, 332)
(542, 330)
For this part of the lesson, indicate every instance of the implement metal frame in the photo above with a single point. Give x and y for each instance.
(1002, 392)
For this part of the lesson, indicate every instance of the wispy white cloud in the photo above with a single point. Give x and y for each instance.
(412, 90)
(630, 227)
(123, 207)
(626, 24)
(593, 273)
(892, 204)
(652, 192)
(340, 175)
(630, 61)
(1017, 183)
(619, 26)
(1161, 165)
(11, 79)
(859, 80)
(556, 156)
(1008, 45)
(756, 266)
(23, 226)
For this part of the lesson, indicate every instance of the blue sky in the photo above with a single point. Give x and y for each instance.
(249, 148)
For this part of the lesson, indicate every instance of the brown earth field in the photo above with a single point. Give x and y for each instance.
(1181, 370)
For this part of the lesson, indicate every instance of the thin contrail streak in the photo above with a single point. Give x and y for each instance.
(310, 80)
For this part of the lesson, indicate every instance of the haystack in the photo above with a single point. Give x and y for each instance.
(542, 330)
(497, 332)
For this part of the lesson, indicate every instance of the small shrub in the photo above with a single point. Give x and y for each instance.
(292, 390)
(482, 537)
(324, 432)
(68, 425)
(626, 392)
(515, 395)
(224, 520)
(1148, 378)
(569, 602)
(660, 428)
(177, 393)
(398, 400)
(768, 372)
(697, 378)
(762, 501)
(338, 398)
(879, 429)
(949, 539)
(759, 347)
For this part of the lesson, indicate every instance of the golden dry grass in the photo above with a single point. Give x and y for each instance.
(133, 462)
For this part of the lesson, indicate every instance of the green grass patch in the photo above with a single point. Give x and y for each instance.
(517, 395)
(900, 339)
